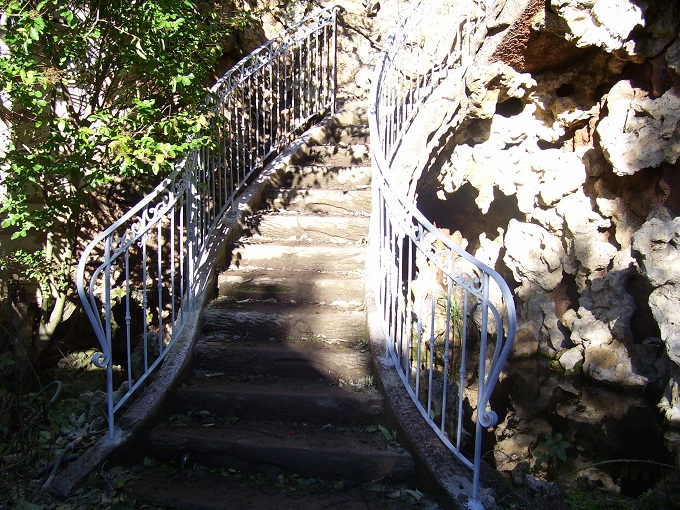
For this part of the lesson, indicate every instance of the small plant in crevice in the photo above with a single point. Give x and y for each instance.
(550, 453)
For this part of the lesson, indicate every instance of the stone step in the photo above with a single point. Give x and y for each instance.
(299, 257)
(264, 321)
(286, 287)
(200, 489)
(301, 401)
(321, 451)
(307, 228)
(320, 201)
(220, 355)
(347, 134)
(340, 155)
(318, 175)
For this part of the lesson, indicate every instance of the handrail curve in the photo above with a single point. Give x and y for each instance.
(439, 306)
(137, 280)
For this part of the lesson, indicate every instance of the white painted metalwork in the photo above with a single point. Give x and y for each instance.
(443, 311)
(137, 279)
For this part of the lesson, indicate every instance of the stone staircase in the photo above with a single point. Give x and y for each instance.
(282, 381)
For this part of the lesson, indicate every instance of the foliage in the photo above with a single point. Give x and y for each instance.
(550, 452)
(93, 94)
(600, 500)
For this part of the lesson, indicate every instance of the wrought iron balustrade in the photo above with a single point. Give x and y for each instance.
(448, 319)
(137, 279)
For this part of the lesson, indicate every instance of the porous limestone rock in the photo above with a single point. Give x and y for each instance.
(587, 244)
(611, 363)
(664, 302)
(586, 329)
(571, 360)
(534, 255)
(638, 131)
(670, 401)
(562, 166)
(526, 340)
(657, 247)
(606, 24)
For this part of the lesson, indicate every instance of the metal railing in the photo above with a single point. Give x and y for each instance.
(138, 279)
(448, 319)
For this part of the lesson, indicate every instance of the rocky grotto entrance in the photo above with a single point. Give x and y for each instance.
(556, 160)
(600, 437)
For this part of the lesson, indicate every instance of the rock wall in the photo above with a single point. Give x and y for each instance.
(560, 162)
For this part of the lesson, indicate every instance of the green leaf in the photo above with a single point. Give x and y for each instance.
(386, 433)
(415, 494)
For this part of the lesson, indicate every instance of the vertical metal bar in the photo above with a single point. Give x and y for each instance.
(258, 111)
(409, 308)
(108, 349)
(128, 317)
(481, 405)
(249, 127)
(173, 266)
(335, 62)
(190, 233)
(399, 329)
(421, 301)
(326, 63)
(182, 245)
(159, 276)
(463, 368)
(433, 309)
(145, 302)
(447, 342)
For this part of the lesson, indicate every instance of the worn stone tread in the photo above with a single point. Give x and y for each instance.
(301, 359)
(297, 400)
(329, 176)
(301, 287)
(341, 154)
(296, 256)
(324, 451)
(281, 321)
(320, 201)
(350, 134)
(323, 229)
(168, 487)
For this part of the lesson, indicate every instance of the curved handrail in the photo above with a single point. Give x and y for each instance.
(435, 298)
(138, 278)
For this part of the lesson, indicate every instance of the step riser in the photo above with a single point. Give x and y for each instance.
(348, 135)
(291, 408)
(351, 155)
(306, 289)
(245, 454)
(299, 258)
(322, 202)
(354, 468)
(324, 176)
(283, 361)
(348, 326)
(337, 230)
